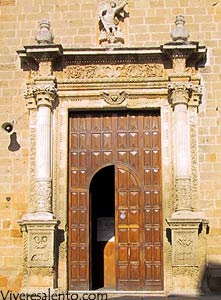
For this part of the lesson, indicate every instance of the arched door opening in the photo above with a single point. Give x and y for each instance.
(102, 223)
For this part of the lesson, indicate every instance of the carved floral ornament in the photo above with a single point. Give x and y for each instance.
(113, 71)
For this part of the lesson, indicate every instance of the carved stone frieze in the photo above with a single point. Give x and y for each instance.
(182, 194)
(132, 71)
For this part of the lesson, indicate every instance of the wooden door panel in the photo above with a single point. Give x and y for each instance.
(131, 142)
(128, 242)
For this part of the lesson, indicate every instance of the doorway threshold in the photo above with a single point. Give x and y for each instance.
(109, 291)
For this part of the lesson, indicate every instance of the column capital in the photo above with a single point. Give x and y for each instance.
(179, 92)
(45, 94)
(40, 93)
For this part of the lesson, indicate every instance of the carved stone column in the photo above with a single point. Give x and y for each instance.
(180, 96)
(38, 225)
(45, 95)
(185, 222)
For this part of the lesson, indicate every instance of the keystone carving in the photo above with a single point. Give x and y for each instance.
(114, 97)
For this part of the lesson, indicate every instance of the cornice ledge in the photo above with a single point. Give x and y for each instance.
(194, 54)
(34, 54)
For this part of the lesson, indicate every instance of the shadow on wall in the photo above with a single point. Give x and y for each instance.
(14, 145)
(211, 280)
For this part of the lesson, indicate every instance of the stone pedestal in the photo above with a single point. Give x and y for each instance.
(39, 254)
(185, 255)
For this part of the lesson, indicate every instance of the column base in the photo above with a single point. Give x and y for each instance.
(186, 255)
(41, 216)
(40, 263)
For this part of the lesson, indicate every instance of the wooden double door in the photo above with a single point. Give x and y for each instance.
(115, 178)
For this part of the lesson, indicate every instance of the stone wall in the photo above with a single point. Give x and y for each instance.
(75, 24)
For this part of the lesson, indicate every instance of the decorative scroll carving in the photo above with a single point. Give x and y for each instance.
(113, 71)
(185, 248)
(114, 97)
(40, 242)
(43, 195)
(183, 194)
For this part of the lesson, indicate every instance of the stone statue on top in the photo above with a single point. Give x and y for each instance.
(109, 17)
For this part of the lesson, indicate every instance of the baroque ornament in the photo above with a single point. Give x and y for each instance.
(130, 71)
(40, 241)
(114, 97)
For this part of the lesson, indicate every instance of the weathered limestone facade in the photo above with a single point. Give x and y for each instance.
(81, 67)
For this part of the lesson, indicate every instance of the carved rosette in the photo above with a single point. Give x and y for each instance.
(183, 194)
(43, 195)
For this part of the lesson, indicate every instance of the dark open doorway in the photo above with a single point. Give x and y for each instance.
(102, 212)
